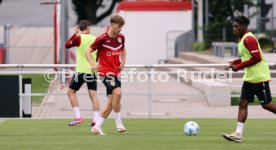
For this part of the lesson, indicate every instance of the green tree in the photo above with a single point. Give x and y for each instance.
(221, 14)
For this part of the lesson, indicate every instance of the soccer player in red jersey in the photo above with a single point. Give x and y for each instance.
(111, 60)
(83, 72)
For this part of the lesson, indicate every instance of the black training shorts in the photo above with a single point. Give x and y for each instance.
(111, 83)
(261, 90)
(79, 78)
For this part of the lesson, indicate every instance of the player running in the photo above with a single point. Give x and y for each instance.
(111, 60)
(256, 77)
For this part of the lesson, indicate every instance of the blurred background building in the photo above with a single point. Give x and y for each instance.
(34, 31)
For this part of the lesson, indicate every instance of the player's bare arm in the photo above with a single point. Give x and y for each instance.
(123, 59)
(93, 64)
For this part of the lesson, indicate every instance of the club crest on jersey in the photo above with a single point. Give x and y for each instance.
(119, 40)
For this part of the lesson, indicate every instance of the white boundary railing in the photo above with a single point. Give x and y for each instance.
(20, 72)
(20, 66)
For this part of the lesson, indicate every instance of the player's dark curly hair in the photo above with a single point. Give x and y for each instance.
(242, 20)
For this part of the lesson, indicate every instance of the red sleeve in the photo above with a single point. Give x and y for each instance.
(74, 40)
(123, 39)
(97, 43)
(252, 45)
(237, 61)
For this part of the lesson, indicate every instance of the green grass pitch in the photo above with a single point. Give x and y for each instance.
(142, 134)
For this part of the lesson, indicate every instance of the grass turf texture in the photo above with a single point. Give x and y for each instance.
(142, 134)
(235, 101)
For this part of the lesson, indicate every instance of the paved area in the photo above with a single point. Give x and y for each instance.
(170, 99)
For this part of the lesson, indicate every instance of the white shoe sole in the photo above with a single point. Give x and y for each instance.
(121, 130)
(96, 132)
(227, 137)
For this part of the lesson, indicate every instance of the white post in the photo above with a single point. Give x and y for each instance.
(200, 21)
(64, 28)
(149, 94)
(272, 21)
(245, 10)
(206, 12)
(7, 28)
(20, 96)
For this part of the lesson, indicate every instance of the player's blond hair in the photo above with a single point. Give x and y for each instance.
(117, 20)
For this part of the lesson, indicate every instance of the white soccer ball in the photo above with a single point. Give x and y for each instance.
(191, 128)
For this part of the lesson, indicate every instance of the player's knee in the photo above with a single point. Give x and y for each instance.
(117, 92)
(243, 104)
(93, 96)
(92, 93)
(71, 92)
(266, 106)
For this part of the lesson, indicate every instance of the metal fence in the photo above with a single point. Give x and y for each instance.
(30, 55)
(27, 45)
(222, 49)
(173, 44)
(145, 96)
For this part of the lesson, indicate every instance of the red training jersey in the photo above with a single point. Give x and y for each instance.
(109, 50)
